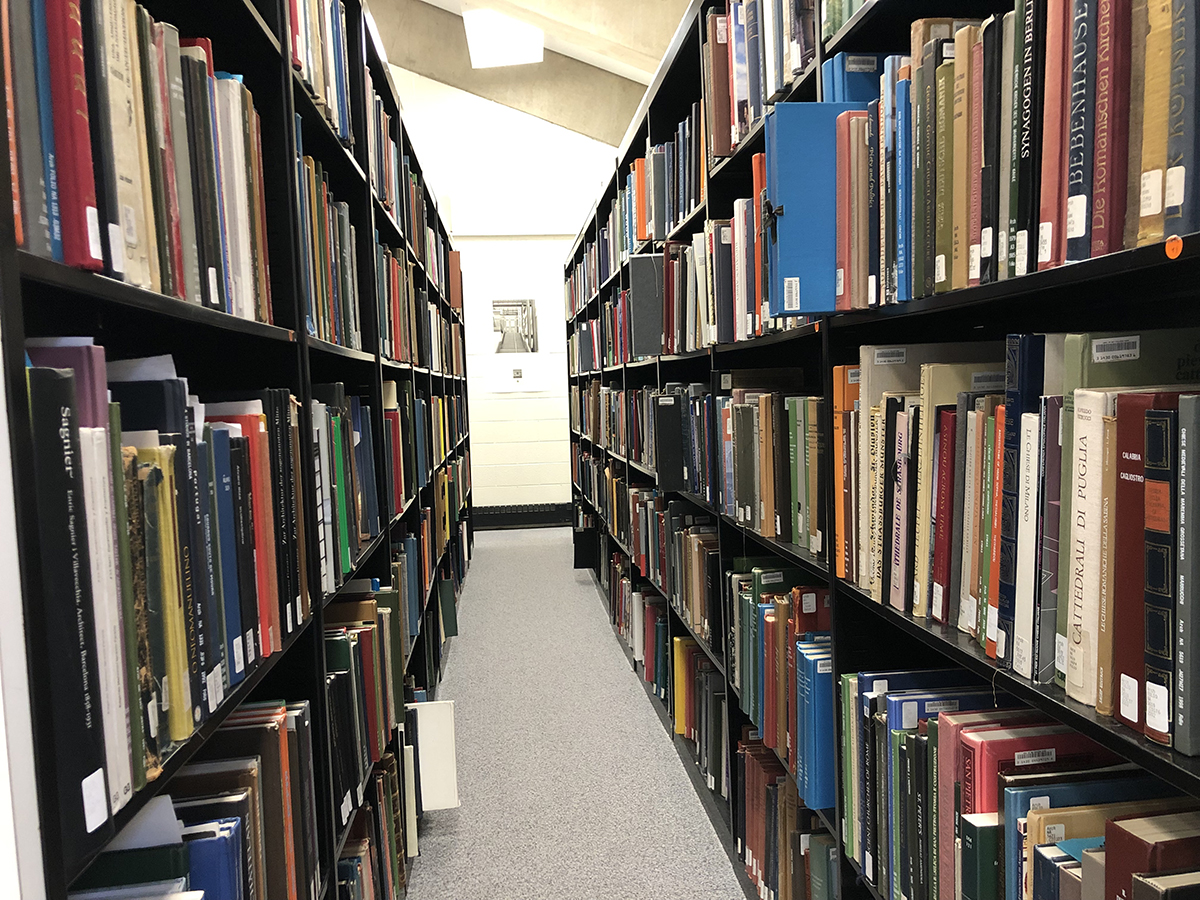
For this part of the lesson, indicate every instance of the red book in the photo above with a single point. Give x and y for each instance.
(767, 649)
(1111, 135)
(72, 138)
(844, 277)
(984, 751)
(719, 108)
(994, 563)
(1052, 239)
(294, 21)
(975, 161)
(254, 429)
(810, 609)
(1142, 844)
(392, 417)
(366, 642)
(944, 513)
(758, 165)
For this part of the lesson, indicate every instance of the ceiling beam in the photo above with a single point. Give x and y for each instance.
(431, 41)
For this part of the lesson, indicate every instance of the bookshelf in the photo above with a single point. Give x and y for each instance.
(1147, 287)
(222, 354)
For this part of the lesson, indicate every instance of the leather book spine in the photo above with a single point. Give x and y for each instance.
(1111, 133)
(1156, 90)
(1139, 31)
(1051, 241)
(873, 182)
(944, 179)
(975, 164)
(964, 41)
(944, 526)
(1161, 518)
(1181, 195)
(1030, 49)
(82, 245)
(990, 228)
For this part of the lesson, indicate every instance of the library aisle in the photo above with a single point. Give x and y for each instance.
(569, 785)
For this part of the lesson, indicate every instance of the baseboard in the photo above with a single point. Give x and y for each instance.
(534, 515)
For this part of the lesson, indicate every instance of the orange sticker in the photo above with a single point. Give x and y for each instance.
(1158, 506)
(1174, 246)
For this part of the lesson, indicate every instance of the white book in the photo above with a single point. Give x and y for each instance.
(769, 13)
(1083, 589)
(410, 802)
(324, 499)
(739, 271)
(638, 612)
(968, 605)
(107, 613)
(439, 766)
(1029, 503)
(235, 195)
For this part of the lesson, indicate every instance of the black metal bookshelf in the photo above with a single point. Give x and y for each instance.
(1149, 287)
(220, 352)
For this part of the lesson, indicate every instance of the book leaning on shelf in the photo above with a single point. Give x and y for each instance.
(189, 570)
(135, 157)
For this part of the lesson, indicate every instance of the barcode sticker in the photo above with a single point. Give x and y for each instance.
(879, 685)
(129, 223)
(166, 694)
(1035, 757)
(726, 236)
(1022, 261)
(808, 602)
(938, 600)
(726, 381)
(841, 281)
(1002, 247)
(791, 294)
(152, 716)
(824, 666)
(1176, 175)
(214, 294)
(249, 646)
(891, 356)
(1042, 802)
(939, 268)
(1056, 833)
(987, 381)
(1077, 216)
(95, 801)
(908, 714)
(1045, 241)
(1060, 653)
(347, 805)
(93, 230)
(772, 577)
(934, 707)
(853, 375)
(116, 246)
(722, 30)
(239, 657)
(1002, 645)
(1129, 698)
(1152, 188)
(213, 684)
(872, 290)
(985, 243)
(288, 608)
(991, 626)
(856, 63)
(1105, 350)
(973, 262)
(1021, 659)
(1158, 708)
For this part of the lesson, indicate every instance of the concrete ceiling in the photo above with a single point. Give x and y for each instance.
(600, 55)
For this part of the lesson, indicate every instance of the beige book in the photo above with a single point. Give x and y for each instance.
(964, 40)
(858, 212)
(922, 31)
(815, 536)
(872, 538)
(941, 384)
(1155, 91)
(1108, 525)
(1139, 22)
(1069, 822)
(142, 215)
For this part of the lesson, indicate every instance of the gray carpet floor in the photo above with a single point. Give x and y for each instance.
(570, 786)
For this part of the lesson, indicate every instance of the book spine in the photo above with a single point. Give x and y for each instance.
(1081, 124)
(944, 180)
(76, 190)
(1187, 633)
(1181, 200)
(903, 190)
(1025, 586)
(943, 512)
(984, 530)
(1055, 109)
(964, 43)
(1108, 527)
(994, 635)
(991, 231)
(1139, 31)
(1084, 535)
(1162, 476)
(927, 138)
(874, 167)
(1129, 545)
(1030, 51)
(844, 277)
(917, 175)
(1112, 114)
(1046, 656)
(975, 162)
(1155, 119)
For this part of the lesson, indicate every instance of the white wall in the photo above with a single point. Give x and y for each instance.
(515, 190)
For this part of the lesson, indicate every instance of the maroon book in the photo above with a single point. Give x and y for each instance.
(718, 106)
(1154, 843)
(81, 241)
(1111, 136)
(1052, 238)
(944, 512)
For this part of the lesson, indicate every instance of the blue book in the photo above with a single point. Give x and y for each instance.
(41, 65)
(226, 551)
(818, 748)
(903, 191)
(1018, 801)
(829, 87)
(415, 594)
(339, 65)
(215, 858)
(754, 58)
(856, 76)
(757, 697)
(806, 644)
(802, 247)
(905, 709)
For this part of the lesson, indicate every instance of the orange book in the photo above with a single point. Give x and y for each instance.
(993, 615)
(639, 198)
(759, 164)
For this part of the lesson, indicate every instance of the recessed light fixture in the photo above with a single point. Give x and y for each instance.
(494, 39)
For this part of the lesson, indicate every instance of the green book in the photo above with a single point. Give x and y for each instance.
(818, 864)
(985, 538)
(931, 808)
(919, 170)
(849, 757)
(140, 865)
(897, 815)
(342, 489)
(449, 608)
(1107, 360)
(389, 599)
(793, 404)
(980, 856)
(944, 184)
(133, 688)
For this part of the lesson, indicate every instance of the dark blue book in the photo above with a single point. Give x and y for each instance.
(41, 62)
(225, 546)
(1181, 212)
(904, 191)
(207, 561)
(754, 59)
(1081, 125)
(1024, 364)
(215, 857)
(416, 594)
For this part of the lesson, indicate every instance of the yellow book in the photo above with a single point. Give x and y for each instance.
(964, 40)
(1070, 822)
(680, 681)
(1156, 91)
(156, 470)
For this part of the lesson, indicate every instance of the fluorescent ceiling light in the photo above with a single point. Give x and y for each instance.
(494, 39)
